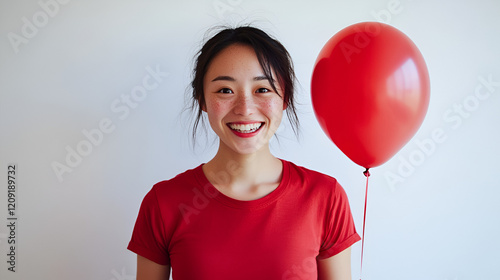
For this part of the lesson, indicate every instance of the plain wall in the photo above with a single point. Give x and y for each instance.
(69, 66)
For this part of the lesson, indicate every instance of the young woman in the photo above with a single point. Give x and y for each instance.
(245, 214)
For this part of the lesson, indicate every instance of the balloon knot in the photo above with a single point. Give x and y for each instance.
(367, 172)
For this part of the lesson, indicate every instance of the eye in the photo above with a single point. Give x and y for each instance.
(263, 90)
(225, 90)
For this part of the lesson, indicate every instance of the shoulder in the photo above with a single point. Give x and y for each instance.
(315, 182)
(181, 184)
(165, 198)
(310, 176)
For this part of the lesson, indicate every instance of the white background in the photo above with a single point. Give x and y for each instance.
(439, 221)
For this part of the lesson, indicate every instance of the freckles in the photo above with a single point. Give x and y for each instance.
(215, 105)
(274, 108)
(275, 104)
(218, 105)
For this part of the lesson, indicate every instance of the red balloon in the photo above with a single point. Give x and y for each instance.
(370, 91)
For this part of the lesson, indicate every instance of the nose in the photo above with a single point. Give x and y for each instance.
(245, 104)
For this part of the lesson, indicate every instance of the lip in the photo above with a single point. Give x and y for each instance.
(245, 135)
(244, 122)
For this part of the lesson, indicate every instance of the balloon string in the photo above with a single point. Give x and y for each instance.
(367, 174)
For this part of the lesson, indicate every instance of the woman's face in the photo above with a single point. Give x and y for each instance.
(242, 107)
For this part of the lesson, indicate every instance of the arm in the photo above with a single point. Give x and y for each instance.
(337, 267)
(149, 270)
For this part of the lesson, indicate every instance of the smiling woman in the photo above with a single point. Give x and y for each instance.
(272, 58)
(245, 214)
(242, 107)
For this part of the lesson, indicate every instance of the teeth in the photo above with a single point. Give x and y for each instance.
(245, 128)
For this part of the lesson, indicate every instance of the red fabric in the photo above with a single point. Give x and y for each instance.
(186, 223)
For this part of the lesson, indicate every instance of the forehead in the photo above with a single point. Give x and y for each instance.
(234, 57)
(236, 49)
(238, 60)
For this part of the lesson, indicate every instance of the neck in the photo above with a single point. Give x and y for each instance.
(234, 170)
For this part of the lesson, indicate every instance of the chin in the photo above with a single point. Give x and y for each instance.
(247, 148)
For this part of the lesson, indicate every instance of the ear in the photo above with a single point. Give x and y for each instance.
(285, 105)
(204, 108)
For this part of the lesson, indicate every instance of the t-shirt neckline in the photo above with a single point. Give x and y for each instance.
(244, 204)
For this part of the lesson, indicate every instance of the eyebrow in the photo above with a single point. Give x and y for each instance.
(224, 78)
(231, 79)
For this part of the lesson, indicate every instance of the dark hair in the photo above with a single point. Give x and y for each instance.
(271, 54)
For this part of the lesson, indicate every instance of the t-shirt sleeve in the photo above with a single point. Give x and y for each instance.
(340, 232)
(148, 237)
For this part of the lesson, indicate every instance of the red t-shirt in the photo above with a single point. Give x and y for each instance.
(187, 223)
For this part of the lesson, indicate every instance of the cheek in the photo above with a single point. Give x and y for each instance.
(275, 108)
(215, 108)
(274, 111)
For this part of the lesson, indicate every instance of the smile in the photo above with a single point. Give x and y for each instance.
(245, 128)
